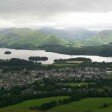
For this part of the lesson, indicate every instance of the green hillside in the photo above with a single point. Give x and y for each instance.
(24, 106)
(103, 37)
(84, 105)
(24, 36)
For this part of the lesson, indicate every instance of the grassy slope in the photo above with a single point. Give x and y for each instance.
(102, 37)
(85, 105)
(24, 106)
(27, 36)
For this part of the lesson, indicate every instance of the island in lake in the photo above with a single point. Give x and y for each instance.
(7, 52)
(36, 58)
(73, 60)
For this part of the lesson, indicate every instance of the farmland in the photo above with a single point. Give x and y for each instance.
(84, 105)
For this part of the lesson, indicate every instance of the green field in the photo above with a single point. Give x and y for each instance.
(24, 106)
(84, 105)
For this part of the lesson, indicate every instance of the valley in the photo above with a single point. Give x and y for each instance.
(50, 70)
(55, 56)
(30, 86)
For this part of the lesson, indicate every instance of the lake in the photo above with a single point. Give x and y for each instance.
(25, 54)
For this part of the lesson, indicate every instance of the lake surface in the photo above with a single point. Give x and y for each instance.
(25, 54)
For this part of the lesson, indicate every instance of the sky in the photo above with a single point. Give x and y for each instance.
(91, 14)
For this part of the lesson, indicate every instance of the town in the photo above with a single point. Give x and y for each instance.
(24, 77)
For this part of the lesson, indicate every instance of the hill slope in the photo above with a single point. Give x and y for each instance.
(25, 36)
(103, 37)
(72, 33)
(84, 105)
(24, 106)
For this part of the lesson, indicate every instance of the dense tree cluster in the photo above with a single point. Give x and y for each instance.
(6, 101)
(36, 58)
(7, 52)
(16, 64)
(72, 60)
(52, 104)
(105, 50)
(96, 64)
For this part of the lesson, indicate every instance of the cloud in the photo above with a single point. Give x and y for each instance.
(36, 13)
(46, 7)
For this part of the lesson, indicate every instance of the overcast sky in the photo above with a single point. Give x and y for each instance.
(93, 14)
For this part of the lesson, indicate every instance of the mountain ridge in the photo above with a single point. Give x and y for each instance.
(28, 36)
(71, 33)
(103, 37)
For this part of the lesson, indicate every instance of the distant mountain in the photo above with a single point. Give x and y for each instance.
(71, 33)
(103, 37)
(25, 36)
